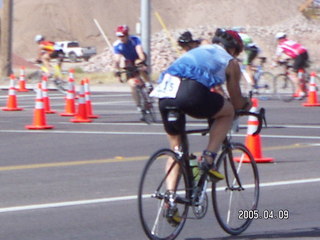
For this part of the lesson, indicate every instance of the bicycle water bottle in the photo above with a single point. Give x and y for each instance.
(195, 168)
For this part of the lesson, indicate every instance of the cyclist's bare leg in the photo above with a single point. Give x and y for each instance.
(45, 58)
(222, 123)
(145, 76)
(175, 142)
(133, 83)
(299, 85)
(250, 74)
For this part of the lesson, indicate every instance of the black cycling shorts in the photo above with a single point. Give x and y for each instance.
(193, 99)
(301, 61)
(252, 53)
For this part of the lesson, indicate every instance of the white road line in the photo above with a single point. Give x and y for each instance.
(147, 133)
(132, 197)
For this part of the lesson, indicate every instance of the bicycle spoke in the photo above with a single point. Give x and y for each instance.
(154, 208)
(284, 88)
(239, 190)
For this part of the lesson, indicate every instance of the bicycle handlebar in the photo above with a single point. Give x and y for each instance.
(128, 70)
(259, 115)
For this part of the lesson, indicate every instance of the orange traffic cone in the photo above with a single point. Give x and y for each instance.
(82, 115)
(87, 94)
(70, 107)
(12, 98)
(312, 95)
(46, 100)
(39, 118)
(253, 142)
(22, 81)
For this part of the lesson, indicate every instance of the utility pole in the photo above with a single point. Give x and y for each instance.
(6, 39)
(145, 28)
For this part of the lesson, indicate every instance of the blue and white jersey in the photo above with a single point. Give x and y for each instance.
(128, 50)
(205, 64)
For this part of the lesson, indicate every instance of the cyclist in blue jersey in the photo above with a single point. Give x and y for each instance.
(185, 87)
(129, 48)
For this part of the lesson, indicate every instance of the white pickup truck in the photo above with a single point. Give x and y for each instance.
(73, 51)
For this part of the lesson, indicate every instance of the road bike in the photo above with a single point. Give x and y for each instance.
(239, 190)
(285, 88)
(57, 78)
(263, 80)
(144, 100)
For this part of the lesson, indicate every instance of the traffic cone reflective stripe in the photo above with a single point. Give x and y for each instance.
(70, 106)
(312, 95)
(22, 81)
(87, 94)
(46, 100)
(12, 103)
(253, 142)
(82, 115)
(39, 117)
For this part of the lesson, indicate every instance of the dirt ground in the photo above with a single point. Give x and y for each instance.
(73, 19)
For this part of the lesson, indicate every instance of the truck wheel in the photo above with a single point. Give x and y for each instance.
(73, 57)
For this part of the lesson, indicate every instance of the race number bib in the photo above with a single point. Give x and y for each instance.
(168, 88)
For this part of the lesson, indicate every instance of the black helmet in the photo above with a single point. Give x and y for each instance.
(229, 39)
(186, 37)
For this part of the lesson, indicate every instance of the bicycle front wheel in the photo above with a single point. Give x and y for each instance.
(265, 84)
(61, 84)
(239, 191)
(284, 88)
(153, 196)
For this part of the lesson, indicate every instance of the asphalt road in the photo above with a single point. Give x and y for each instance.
(79, 180)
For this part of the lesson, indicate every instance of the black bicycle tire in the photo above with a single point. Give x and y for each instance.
(142, 196)
(256, 189)
(284, 87)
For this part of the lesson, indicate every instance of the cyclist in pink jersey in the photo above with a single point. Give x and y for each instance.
(298, 53)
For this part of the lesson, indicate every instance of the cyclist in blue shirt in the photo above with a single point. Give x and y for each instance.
(129, 48)
(185, 86)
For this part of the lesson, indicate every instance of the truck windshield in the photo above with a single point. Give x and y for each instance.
(73, 44)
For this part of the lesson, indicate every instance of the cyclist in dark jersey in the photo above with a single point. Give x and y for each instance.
(186, 42)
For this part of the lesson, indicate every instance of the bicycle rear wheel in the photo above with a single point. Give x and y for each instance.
(238, 191)
(153, 199)
(284, 88)
(148, 111)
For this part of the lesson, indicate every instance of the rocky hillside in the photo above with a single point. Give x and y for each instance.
(73, 20)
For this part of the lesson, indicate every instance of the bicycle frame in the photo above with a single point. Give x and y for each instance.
(177, 188)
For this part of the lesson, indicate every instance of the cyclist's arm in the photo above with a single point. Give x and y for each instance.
(233, 74)
(39, 53)
(140, 53)
(116, 67)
